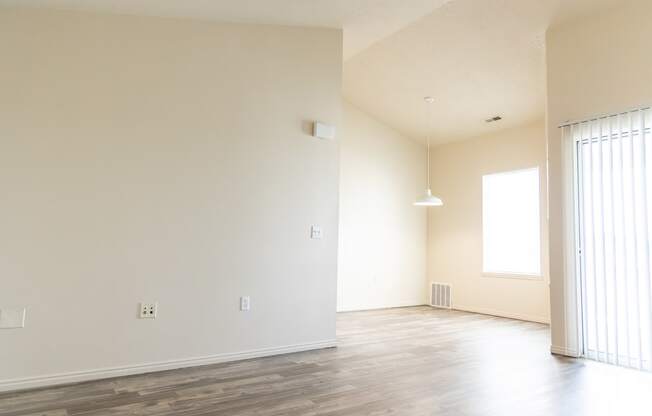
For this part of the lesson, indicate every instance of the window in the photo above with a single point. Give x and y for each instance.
(511, 225)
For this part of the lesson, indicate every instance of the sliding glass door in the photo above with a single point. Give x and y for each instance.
(614, 226)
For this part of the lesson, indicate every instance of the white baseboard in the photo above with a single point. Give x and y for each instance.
(557, 350)
(380, 307)
(97, 374)
(502, 314)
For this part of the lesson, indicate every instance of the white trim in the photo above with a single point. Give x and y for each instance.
(101, 373)
(513, 275)
(571, 301)
(502, 314)
(567, 352)
(380, 308)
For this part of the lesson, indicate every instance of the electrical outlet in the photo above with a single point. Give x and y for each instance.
(245, 303)
(148, 310)
(315, 232)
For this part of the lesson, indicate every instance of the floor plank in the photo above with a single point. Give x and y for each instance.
(408, 361)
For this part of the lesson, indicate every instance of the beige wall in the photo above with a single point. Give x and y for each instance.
(148, 159)
(382, 254)
(599, 64)
(455, 230)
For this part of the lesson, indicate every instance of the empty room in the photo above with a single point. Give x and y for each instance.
(325, 207)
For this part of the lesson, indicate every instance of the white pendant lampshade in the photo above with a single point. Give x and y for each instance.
(428, 199)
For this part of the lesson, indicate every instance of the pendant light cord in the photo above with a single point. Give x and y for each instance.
(428, 126)
(428, 162)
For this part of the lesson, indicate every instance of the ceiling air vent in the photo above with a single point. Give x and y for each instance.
(493, 119)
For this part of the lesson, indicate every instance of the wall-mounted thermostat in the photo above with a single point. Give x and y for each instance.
(12, 318)
(323, 131)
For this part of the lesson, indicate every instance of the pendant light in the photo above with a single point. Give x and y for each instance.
(428, 199)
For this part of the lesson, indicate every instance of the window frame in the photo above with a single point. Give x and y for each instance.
(514, 275)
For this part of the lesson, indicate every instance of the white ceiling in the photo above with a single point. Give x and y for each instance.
(478, 58)
(363, 21)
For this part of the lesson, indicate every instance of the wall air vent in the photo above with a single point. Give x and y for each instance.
(493, 119)
(440, 295)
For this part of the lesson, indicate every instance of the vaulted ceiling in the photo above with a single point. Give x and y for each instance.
(363, 21)
(477, 58)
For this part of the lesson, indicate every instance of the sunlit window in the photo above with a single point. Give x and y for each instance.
(511, 223)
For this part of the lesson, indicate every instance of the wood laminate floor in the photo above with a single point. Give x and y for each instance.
(408, 361)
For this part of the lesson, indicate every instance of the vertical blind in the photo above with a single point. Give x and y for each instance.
(613, 167)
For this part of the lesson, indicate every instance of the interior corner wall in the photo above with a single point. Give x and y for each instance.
(168, 160)
(455, 229)
(383, 239)
(596, 65)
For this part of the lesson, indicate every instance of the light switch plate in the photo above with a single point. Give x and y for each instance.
(12, 318)
(315, 232)
(245, 303)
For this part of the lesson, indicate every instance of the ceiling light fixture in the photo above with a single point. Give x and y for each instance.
(428, 200)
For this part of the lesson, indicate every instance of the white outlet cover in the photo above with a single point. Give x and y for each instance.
(12, 318)
(148, 310)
